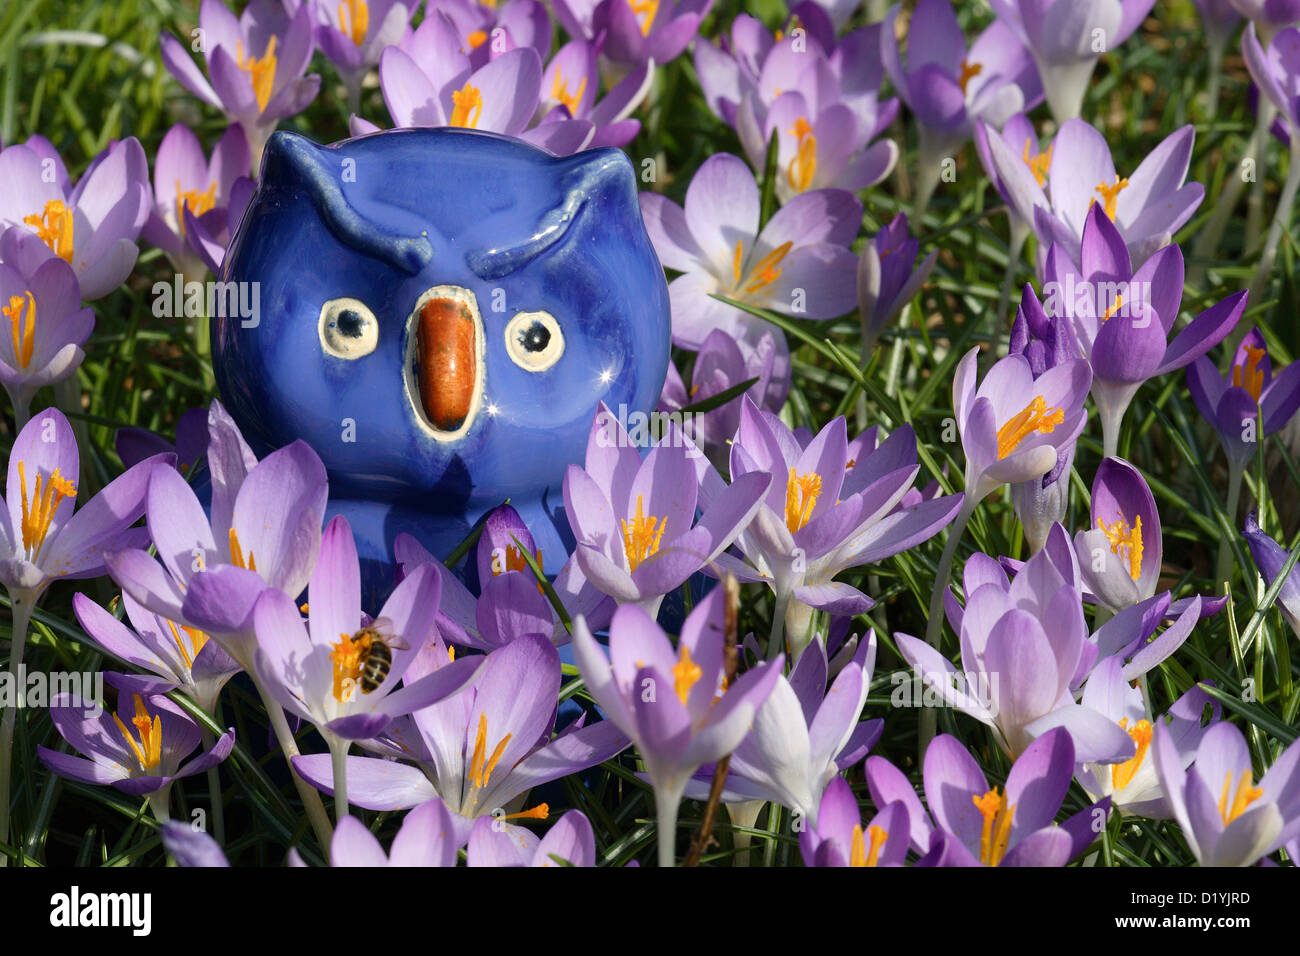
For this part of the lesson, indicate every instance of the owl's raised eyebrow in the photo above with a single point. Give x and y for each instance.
(579, 184)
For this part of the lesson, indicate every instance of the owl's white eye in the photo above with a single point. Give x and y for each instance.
(534, 341)
(348, 329)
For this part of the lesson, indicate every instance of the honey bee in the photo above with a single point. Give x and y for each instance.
(376, 642)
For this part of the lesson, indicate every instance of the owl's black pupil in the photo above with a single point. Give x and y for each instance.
(536, 337)
(349, 322)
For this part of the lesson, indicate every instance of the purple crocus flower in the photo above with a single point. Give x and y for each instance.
(1067, 37)
(978, 825)
(636, 31)
(353, 33)
(799, 264)
(1226, 819)
(803, 735)
(1133, 786)
(1045, 342)
(41, 299)
(669, 701)
(134, 445)
(1270, 557)
(837, 508)
(888, 279)
(318, 672)
(262, 530)
(182, 658)
(425, 838)
(1021, 139)
(569, 89)
(188, 189)
(634, 520)
(192, 846)
(92, 226)
(255, 65)
(839, 839)
(570, 839)
(483, 749)
(489, 30)
(1123, 317)
(949, 88)
(1120, 555)
(139, 750)
(1271, 15)
(1250, 404)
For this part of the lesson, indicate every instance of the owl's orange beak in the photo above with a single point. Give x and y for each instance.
(446, 362)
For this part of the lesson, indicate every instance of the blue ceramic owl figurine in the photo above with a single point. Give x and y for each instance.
(440, 313)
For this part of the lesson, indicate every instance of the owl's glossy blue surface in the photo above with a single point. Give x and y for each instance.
(384, 219)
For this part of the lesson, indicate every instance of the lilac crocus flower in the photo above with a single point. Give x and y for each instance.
(188, 188)
(636, 31)
(318, 671)
(1270, 15)
(838, 838)
(669, 701)
(570, 840)
(634, 520)
(1021, 139)
(488, 30)
(1067, 37)
(1219, 20)
(949, 88)
(1270, 557)
(1251, 403)
(425, 838)
(139, 750)
(41, 299)
(483, 749)
(192, 846)
(838, 507)
(978, 825)
(1120, 555)
(800, 263)
(181, 658)
(1046, 342)
(803, 735)
(1123, 317)
(353, 33)
(888, 279)
(569, 89)
(1226, 819)
(92, 226)
(134, 445)
(1147, 207)
(1133, 786)
(262, 530)
(255, 65)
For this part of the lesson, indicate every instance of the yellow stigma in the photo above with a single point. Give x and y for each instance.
(1034, 417)
(539, 812)
(997, 826)
(1125, 542)
(54, 226)
(1110, 195)
(197, 640)
(199, 202)
(1039, 163)
(803, 167)
(646, 9)
(1114, 307)
(1121, 775)
(354, 19)
(22, 326)
(641, 535)
(801, 494)
(1250, 377)
(468, 106)
(38, 510)
(481, 765)
(477, 39)
(686, 674)
(237, 557)
(346, 656)
(862, 854)
(260, 72)
(148, 750)
(763, 274)
(560, 92)
(1246, 794)
(968, 72)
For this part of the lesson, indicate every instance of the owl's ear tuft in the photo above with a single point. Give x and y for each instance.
(293, 162)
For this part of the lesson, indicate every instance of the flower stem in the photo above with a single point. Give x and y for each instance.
(159, 804)
(23, 604)
(214, 793)
(667, 802)
(1216, 68)
(311, 800)
(934, 626)
(1264, 116)
(1281, 218)
(1224, 567)
(339, 761)
(776, 640)
(1019, 235)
